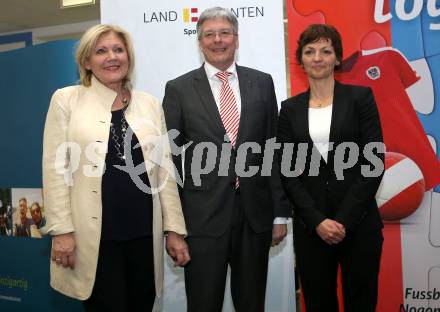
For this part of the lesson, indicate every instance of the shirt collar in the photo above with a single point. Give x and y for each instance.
(211, 71)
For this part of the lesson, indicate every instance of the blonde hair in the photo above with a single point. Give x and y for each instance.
(88, 42)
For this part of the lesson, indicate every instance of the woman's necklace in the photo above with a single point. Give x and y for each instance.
(114, 135)
(314, 103)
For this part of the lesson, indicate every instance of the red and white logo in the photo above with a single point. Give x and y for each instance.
(373, 72)
(402, 188)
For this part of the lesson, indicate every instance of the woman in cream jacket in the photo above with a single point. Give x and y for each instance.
(106, 212)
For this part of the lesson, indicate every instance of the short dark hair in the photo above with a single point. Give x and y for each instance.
(315, 32)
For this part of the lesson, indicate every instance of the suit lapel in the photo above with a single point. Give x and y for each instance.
(203, 89)
(245, 85)
(302, 118)
(339, 113)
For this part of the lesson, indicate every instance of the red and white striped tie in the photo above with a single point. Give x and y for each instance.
(228, 108)
(229, 111)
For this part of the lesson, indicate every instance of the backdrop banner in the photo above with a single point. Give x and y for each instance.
(393, 46)
(166, 46)
(29, 77)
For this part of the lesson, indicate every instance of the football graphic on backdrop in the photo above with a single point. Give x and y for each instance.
(402, 188)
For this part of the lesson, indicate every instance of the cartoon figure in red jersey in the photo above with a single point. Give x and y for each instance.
(388, 74)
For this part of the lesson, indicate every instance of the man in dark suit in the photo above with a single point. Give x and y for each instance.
(220, 111)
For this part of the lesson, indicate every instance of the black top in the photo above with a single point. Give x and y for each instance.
(127, 211)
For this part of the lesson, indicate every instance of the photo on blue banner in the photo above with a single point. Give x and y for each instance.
(5, 212)
(27, 212)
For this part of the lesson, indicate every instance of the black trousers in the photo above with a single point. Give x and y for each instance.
(124, 277)
(359, 257)
(247, 254)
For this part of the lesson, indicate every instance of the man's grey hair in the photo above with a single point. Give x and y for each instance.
(217, 12)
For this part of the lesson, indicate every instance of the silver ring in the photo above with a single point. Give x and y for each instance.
(57, 259)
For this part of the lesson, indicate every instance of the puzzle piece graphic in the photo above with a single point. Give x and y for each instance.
(353, 19)
(372, 40)
(403, 133)
(434, 228)
(399, 75)
(431, 38)
(402, 130)
(422, 93)
(402, 30)
(366, 35)
(420, 234)
(296, 25)
(431, 121)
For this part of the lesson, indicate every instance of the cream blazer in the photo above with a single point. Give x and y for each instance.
(76, 137)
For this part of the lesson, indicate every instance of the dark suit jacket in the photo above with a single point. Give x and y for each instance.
(190, 108)
(351, 200)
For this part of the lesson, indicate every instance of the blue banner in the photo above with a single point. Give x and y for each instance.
(29, 77)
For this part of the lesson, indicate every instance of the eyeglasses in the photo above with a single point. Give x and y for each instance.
(222, 33)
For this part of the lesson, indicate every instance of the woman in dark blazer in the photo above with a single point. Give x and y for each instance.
(331, 176)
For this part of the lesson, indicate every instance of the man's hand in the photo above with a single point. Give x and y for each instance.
(177, 249)
(331, 231)
(63, 250)
(279, 231)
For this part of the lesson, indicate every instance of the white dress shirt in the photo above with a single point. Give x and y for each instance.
(319, 128)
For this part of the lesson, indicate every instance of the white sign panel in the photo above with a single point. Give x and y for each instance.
(165, 38)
